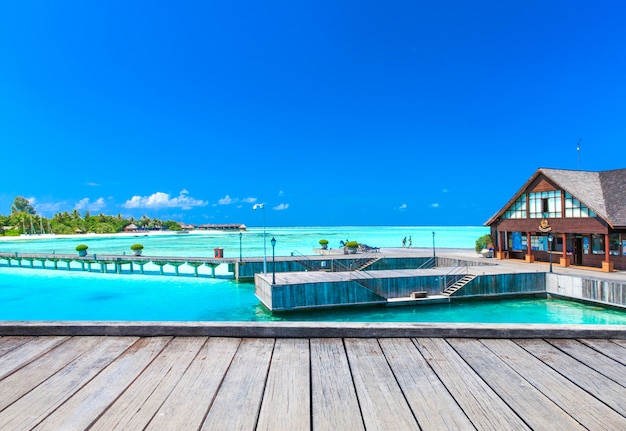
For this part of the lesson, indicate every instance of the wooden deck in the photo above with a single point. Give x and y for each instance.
(193, 383)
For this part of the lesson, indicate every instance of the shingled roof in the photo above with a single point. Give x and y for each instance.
(602, 192)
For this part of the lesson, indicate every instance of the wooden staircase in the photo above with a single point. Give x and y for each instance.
(368, 263)
(458, 284)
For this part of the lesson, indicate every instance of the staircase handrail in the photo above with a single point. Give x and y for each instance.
(307, 261)
(449, 280)
(428, 264)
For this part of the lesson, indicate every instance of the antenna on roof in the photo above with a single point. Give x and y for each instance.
(578, 149)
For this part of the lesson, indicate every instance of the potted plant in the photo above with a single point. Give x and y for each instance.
(136, 248)
(352, 246)
(82, 249)
(324, 244)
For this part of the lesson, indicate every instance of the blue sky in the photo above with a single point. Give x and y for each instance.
(329, 112)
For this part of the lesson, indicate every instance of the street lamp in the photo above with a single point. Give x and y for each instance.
(240, 235)
(434, 245)
(273, 242)
(550, 246)
(262, 207)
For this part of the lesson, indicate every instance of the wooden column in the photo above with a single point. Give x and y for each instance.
(529, 252)
(500, 253)
(565, 259)
(607, 265)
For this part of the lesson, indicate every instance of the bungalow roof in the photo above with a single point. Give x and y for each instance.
(603, 192)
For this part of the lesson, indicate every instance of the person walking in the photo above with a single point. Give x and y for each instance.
(410, 242)
(404, 242)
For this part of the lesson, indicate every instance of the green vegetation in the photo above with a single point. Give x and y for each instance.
(482, 242)
(24, 220)
(323, 242)
(81, 247)
(136, 247)
(352, 244)
(22, 205)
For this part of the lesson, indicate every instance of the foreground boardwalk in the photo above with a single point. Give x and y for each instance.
(211, 383)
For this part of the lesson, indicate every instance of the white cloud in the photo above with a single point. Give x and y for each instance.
(85, 204)
(403, 207)
(444, 191)
(92, 184)
(281, 193)
(32, 201)
(163, 200)
(281, 207)
(249, 200)
(226, 200)
(435, 205)
(49, 208)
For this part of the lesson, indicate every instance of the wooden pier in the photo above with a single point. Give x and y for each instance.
(215, 383)
(113, 262)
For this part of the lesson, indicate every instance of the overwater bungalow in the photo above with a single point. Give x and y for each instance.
(567, 216)
(223, 226)
(131, 228)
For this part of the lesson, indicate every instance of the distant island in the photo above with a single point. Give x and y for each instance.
(23, 220)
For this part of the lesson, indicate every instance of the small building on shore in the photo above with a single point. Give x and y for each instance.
(568, 217)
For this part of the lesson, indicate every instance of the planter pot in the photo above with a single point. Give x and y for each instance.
(82, 253)
(137, 252)
(324, 246)
(352, 250)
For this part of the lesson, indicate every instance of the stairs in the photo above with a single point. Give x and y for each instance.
(458, 284)
(368, 263)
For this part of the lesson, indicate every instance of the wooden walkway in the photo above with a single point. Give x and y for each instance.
(204, 383)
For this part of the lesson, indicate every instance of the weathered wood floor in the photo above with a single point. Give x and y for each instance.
(186, 383)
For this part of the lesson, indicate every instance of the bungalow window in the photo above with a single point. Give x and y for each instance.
(518, 209)
(597, 244)
(539, 243)
(545, 204)
(573, 207)
(614, 244)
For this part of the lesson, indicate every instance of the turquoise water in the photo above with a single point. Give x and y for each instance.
(38, 294)
(288, 240)
(46, 294)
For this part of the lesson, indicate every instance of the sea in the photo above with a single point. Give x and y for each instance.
(62, 294)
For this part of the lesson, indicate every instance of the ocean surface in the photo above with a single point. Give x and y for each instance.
(72, 295)
(288, 240)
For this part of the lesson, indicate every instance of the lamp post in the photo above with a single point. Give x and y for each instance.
(273, 242)
(550, 246)
(434, 255)
(262, 207)
(240, 235)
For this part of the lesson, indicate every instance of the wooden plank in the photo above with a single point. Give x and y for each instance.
(382, 402)
(26, 353)
(432, 404)
(584, 408)
(599, 362)
(9, 343)
(287, 399)
(94, 398)
(30, 376)
(33, 407)
(579, 375)
(138, 404)
(481, 404)
(188, 403)
(237, 403)
(334, 402)
(614, 350)
(537, 410)
(619, 342)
